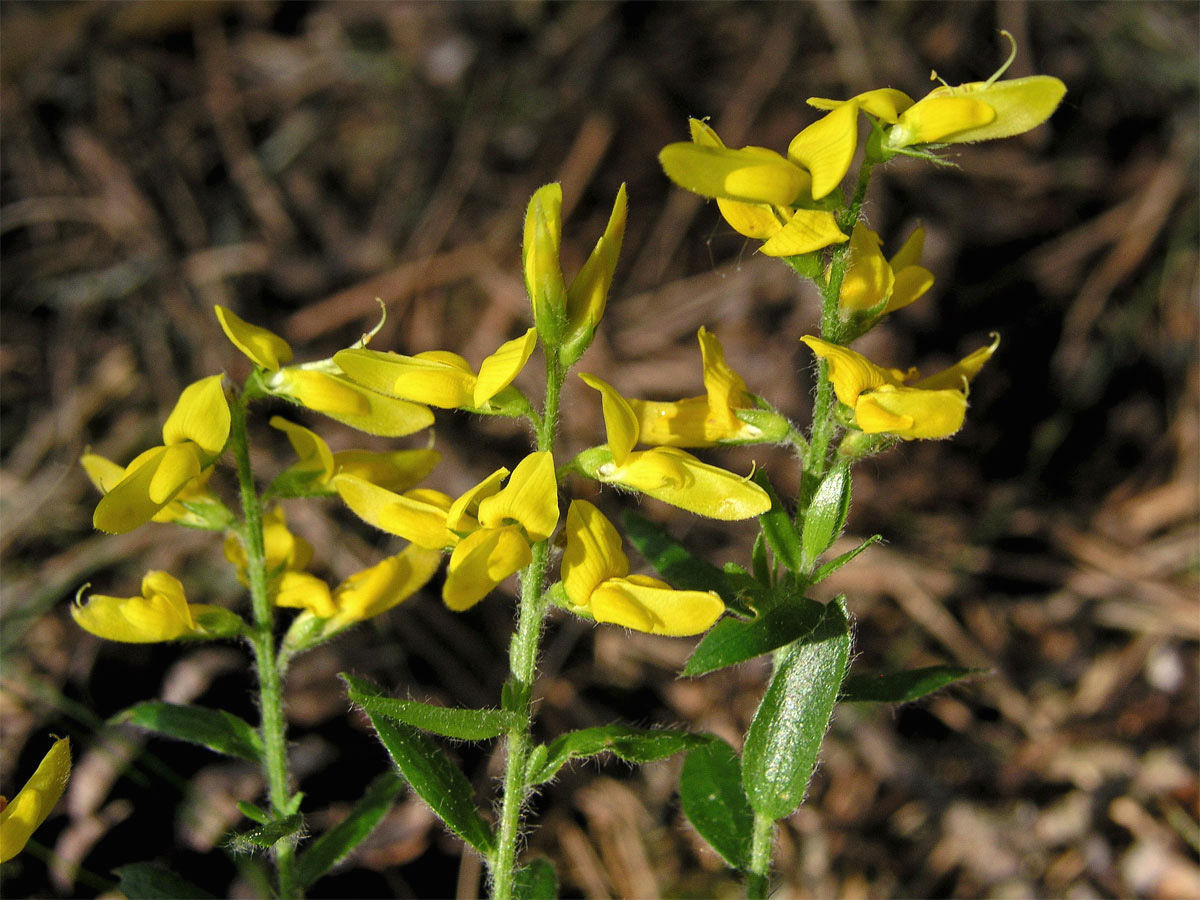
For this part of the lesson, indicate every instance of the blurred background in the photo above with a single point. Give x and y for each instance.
(294, 161)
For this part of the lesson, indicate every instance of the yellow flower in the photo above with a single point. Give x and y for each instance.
(665, 473)
(885, 402)
(489, 529)
(397, 470)
(283, 551)
(264, 348)
(567, 315)
(203, 510)
(760, 193)
(161, 613)
(701, 421)
(978, 111)
(193, 437)
(437, 377)
(595, 575)
(870, 279)
(363, 595)
(20, 816)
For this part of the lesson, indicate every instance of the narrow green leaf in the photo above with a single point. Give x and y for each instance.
(673, 561)
(635, 745)
(150, 881)
(790, 723)
(253, 812)
(268, 835)
(836, 563)
(536, 881)
(216, 729)
(778, 529)
(465, 724)
(902, 687)
(335, 844)
(436, 779)
(826, 516)
(710, 790)
(732, 641)
(758, 560)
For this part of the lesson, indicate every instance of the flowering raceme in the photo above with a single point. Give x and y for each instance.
(760, 193)
(665, 473)
(193, 437)
(888, 401)
(595, 576)
(35, 801)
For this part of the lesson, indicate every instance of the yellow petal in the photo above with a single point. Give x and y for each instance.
(851, 372)
(703, 134)
(466, 507)
(620, 421)
(751, 174)
(910, 284)
(179, 465)
(540, 251)
(344, 401)
(938, 118)
(807, 230)
(483, 559)
(35, 801)
(588, 292)
(648, 605)
(374, 591)
(754, 220)
(300, 590)
(103, 473)
(397, 470)
(910, 412)
(201, 415)
(868, 279)
(498, 370)
(315, 455)
(678, 478)
(263, 347)
(826, 148)
(421, 519)
(128, 503)
(1020, 105)
(883, 103)
(530, 498)
(593, 552)
(910, 253)
(962, 371)
(726, 391)
(682, 423)
(160, 614)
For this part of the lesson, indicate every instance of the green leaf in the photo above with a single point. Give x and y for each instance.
(790, 723)
(253, 812)
(778, 529)
(834, 564)
(216, 729)
(436, 779)
(902, 687)
(710, 790)
(758, 560)
(673, 561)
(536, 881)
(465, 724)
(826, 516)
(268, 835)
(732, 641)
(150, 881)
(335, 844)
(635, 745)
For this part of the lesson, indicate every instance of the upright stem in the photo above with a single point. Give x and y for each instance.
(522, 662)
(270, 685)
(758, 879)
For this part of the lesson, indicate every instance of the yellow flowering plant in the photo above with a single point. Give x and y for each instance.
(861, 408)
(521, 519)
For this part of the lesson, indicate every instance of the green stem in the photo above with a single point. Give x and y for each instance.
(522, 661)
(758, 879)
(273, 726)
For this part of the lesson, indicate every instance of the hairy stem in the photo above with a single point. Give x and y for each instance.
(758, 879)
(273, 726)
